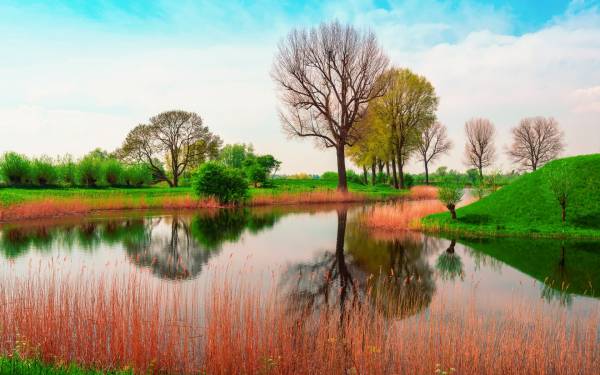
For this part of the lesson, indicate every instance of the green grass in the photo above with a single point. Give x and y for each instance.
(9, 196)
(14, 365)
(527, 207)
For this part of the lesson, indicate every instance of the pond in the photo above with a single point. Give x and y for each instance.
(317, 256)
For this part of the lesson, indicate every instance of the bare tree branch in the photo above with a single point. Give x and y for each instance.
(536, 141)
(480, 151)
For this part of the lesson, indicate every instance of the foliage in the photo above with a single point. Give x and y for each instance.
(450, 193)
(409, 180)
(67, 171)
(14, 168)
(226, 184)
(113, 172)
(234, 156)
(258, 169)
(329, 175)
(14, 364)
(137, 175)
(43, 172)
(528, 206)
(354, 177)
(90, 171)
(177, 137)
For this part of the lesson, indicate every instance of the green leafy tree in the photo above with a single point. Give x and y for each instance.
(43, 172)
(561, 186)
(90, 171)
(178, 138)
(450, 194)
(408, 109)
(15, 168)
(235, 155)
(113, 172)
(225, 184)
(67, 170)
(137, 175)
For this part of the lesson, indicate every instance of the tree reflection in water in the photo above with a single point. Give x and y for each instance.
(449, 264)
(173, 246)
(392, 275)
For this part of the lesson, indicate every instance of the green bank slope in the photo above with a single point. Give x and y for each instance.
(527, 207)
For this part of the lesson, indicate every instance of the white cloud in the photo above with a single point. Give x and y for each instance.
(60, 97)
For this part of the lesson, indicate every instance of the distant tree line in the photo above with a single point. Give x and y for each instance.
(96, 169)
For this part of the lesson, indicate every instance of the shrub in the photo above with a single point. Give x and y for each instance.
(67, 171)
(329, 176)
(225, 184)
(409, 180)
(137, 175)
(354, 177)
(113, 172)
(450, 194)
(89, 171)
(14, 168)
(43, 172)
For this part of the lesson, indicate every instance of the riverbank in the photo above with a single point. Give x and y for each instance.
(529, 208)
(26, 204)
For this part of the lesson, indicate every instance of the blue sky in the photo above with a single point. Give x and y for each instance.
(79, 74)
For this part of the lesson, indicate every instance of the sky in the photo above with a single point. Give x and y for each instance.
(79, 74)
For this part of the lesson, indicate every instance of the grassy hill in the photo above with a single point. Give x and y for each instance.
(527, 207)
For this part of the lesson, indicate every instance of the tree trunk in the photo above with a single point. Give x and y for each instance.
(365, 175)
(564, 213)
(387, 170)
(373, 175)
(452, 209)
(394, 173)
(175, 180)
(480, 168)
(450, 248)
(401, 172)
(341, 165)
(380, 165)
(426, 174)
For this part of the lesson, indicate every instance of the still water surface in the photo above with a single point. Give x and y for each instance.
(316, 255)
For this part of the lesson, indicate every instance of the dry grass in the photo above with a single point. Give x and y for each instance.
(403, 215)
(60, 207)
(423, 192)
(57, 207)
(318, 197)
(113, 322)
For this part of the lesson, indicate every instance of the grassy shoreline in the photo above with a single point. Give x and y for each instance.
(528, 208)
(18, 204)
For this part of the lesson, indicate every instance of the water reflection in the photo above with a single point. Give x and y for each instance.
(398, 273)
(173, 246)
(393, 275)
(449, 264)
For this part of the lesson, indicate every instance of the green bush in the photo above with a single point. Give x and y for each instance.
(15, 168)
(90, 171)
(67, 171)
(225, 184)
(137, 175)
(113, 172)
(354, 177)
(329, 176)
(409, 180)
(43, 172)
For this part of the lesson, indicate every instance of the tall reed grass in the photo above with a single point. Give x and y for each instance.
(59, 207)
(402, 215)
(115, 322)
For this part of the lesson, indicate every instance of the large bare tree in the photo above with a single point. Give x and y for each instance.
(480, 151)
(407, 107)
(433, 143)
(326, 76)
(175, 137)
(536, 141)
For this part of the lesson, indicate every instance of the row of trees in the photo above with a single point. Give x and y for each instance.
(97, 168)
(335, 86)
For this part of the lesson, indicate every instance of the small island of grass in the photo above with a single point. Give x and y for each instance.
(530, 207)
